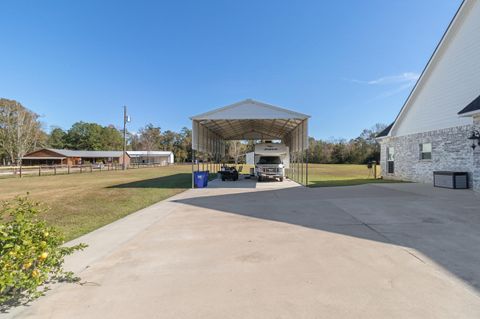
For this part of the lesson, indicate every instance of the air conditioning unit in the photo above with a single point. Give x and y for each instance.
(448, 179)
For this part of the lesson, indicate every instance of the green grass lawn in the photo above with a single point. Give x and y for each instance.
(80, 203)
(326, 175)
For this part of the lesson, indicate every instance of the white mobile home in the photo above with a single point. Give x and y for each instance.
(151, 157)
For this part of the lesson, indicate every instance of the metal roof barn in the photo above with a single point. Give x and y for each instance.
(248, 120)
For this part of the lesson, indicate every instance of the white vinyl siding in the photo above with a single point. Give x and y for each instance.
(451, 81)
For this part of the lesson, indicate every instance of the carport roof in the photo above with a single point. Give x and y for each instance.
(248, 110)
(249, 120)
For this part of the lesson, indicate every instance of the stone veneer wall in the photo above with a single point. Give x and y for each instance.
(476, 157)
(451, 151)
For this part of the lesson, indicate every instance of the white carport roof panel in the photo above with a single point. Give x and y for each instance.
(249, 110)
(248, 120)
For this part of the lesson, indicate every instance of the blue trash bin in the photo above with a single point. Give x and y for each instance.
(201, 179)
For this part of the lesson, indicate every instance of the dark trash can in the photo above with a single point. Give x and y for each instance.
(201, 179)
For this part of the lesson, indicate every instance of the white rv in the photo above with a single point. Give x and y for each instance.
(270, 160)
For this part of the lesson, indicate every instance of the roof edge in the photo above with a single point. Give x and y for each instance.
(230, 106)
(385, 132)
(430, 62)
(469, 114)
(472, 108)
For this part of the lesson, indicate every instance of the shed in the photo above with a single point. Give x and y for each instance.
(151, 157)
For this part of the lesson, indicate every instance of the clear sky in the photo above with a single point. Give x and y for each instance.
(348, 64)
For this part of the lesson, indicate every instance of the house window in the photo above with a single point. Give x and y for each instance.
(390, 154)
(390, 160)
(426, 151)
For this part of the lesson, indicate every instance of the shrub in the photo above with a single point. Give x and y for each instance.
(31, 253)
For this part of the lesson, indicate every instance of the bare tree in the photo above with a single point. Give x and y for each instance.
(150, 138)
(236, 149)
(20, 129)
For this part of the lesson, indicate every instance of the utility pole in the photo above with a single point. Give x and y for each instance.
(126, 119)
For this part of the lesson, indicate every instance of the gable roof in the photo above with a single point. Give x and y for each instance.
(248, 120)
(385, 131)
(249, 109)
(84, 154)
(428, 67)
(473, 107)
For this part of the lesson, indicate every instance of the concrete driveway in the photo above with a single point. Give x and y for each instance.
(282, 251)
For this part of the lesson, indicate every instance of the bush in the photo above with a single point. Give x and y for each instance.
(31, 253)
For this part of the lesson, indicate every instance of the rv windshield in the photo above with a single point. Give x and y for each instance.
(269, 160)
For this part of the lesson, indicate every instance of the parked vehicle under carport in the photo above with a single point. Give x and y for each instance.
(229, 173)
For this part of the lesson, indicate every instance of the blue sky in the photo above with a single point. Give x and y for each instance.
(348, 64)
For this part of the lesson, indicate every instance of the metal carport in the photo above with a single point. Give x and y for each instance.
(251, 120)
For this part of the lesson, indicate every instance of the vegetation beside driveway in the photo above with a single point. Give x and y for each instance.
(81, 203)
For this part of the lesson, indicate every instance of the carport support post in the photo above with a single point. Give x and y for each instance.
(293, 166)
(300, 163)
(296, 167)
(306, 167)
(193, 167)
(302, 169)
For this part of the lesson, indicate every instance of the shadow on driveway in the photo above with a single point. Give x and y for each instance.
(442, 224)
(350, 182)
(180, 180)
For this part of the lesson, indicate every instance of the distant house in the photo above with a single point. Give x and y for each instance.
(151, 157)
(431, 132)
(51, 156)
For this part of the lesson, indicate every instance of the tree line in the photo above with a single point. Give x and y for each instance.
(21, 132)
(359, 150)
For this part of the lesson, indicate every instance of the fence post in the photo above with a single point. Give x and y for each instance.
(54, 169)
(68, 169)
(81, 168)
(39, 170)
(91, 168)
(20, 170)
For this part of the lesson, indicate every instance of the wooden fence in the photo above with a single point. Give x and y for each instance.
(42, 170)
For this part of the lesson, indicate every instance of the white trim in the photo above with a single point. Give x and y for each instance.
(470, 114)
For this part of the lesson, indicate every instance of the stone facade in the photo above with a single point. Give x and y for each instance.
(476, 158)
(451, 151)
